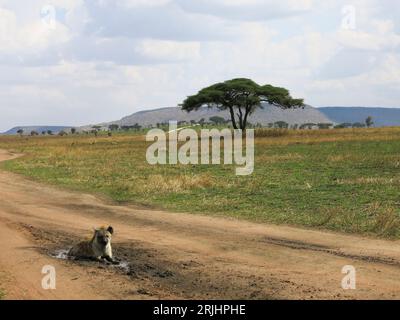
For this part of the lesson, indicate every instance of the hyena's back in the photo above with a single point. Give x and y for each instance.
(82, 250)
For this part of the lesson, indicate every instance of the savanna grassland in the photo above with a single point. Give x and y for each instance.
(346, 180)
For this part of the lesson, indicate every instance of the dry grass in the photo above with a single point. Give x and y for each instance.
(177, 184)
(280, 158)
(369, 181)
(268, 133)
(333, 135)
(385, 219)
(340, 157)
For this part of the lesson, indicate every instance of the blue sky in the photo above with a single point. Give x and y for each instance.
(76, 62)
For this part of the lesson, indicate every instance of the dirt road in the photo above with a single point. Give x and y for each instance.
(170, 255)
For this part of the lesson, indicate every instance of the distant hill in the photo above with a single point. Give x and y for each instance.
(269, 114)
(382, 117)
(38, 129)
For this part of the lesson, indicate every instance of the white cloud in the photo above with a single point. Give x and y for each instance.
(375, 87)
(146, 3)
(381, 40)
(169, 50)
(24, 38)
(249, 10)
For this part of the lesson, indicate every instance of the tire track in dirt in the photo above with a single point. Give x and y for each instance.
(299, 245)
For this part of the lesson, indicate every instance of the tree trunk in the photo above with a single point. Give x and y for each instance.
(233, 118)
(240, 115)
(247, 112)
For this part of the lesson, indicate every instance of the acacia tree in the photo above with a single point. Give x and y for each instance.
(281, 125)
(217, 120)
(241, 97)
(113, 127)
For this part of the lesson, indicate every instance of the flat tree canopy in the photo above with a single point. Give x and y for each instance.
(241, 97)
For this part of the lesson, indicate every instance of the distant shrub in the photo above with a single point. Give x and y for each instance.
(308, 126)
(217, 120)
(369, 122)
(113, 127)
(358, 125)
(281, 125)
(324, 126)
(344, 125)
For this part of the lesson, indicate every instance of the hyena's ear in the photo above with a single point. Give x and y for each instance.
(110, 229)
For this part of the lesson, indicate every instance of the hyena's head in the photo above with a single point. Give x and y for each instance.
(103, 235)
